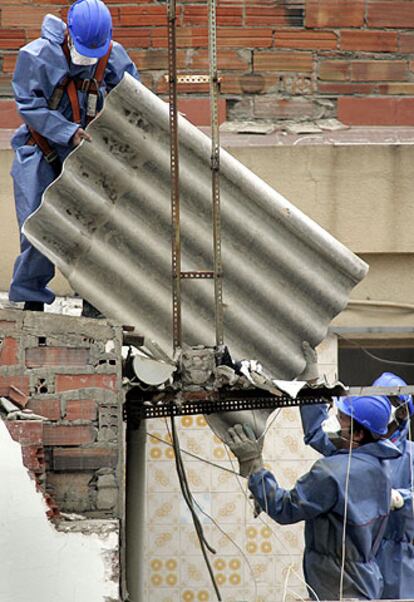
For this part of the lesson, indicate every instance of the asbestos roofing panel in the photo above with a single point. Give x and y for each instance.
(106, 223)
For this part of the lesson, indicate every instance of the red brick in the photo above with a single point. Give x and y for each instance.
(398, 13)
(248, 83)
(12, 38)
(9, 62)
(81, 409)
(7, 324)
(26, 432)
(8, 351)
(133, 37)
(156, 59)
(27, 16)
(268, 107)
(144, 15)
(19, 382)
(334, 70)
(369, 41)
(34, 458)
(67, 382)
(197, 110)
(17, 396)
(49, 408)
(187, 37)
(58, 434)
(90, 458)
(36, 357)
(379, 70)
(319, 40)
(225, 15)
(226, 59)
(334, 13)
(268, 14)
(9, 117)
(244, 38)
(283, 61)
(406, 42)
(376, 111)
(399, 88)
(334, 88)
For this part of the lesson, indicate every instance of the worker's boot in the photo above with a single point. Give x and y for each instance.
(90, 311)
(34, 306)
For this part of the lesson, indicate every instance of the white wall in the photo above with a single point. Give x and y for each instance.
(40, 563)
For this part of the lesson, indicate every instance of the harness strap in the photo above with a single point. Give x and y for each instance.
(70, 86)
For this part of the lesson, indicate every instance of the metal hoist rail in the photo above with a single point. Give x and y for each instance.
(173, 80)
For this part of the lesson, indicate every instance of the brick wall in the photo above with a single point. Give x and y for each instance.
(68, 371)
(279, 59)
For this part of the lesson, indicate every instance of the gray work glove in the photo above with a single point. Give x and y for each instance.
(311, 371)
(242, 442)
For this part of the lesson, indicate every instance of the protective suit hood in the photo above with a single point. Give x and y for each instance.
(53, 29)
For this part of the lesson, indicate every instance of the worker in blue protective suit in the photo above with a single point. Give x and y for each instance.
(59, 84)
(395, 555)
(321, 498)
(396, 552)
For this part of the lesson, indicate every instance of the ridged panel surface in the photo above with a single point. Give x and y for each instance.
(106, 223)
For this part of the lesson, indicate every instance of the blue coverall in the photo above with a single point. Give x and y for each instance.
(41, 65)
(395, 555)
(318, 498)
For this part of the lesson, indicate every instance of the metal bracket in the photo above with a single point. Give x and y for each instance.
(211, 402)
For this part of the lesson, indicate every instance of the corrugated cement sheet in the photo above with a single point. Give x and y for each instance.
(106, 224)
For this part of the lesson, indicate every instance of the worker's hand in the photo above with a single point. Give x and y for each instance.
(397, 500)
(311, 371)
(80, 135)
(242, 442)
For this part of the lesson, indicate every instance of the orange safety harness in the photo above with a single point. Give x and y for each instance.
(70, 86)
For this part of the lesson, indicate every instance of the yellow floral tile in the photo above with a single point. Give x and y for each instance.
(194, 573)
(189, 542)
(163, 508)
(224, 481)
(161, 476)
(228, 508)
(163, 541)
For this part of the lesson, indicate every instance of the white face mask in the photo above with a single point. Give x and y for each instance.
(80, 59)
(331, 426)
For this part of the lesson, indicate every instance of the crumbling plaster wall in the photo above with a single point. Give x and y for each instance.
(74, 562)
(67, 464)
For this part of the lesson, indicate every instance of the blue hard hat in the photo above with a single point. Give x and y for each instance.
(389, 379)
(90, 27)
(372, 412)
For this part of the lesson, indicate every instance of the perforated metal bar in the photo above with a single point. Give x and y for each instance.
(174, 166)
(215, 169)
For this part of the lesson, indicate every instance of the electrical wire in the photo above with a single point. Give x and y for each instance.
(233, 542)
(348, 473)
(200, 458)
(373, 356)
(188, 497)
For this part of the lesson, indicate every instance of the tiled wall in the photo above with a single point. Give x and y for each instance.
(256, 558)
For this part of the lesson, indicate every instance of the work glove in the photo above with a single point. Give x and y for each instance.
(242, 442)
(397, 500)
(311, 371)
